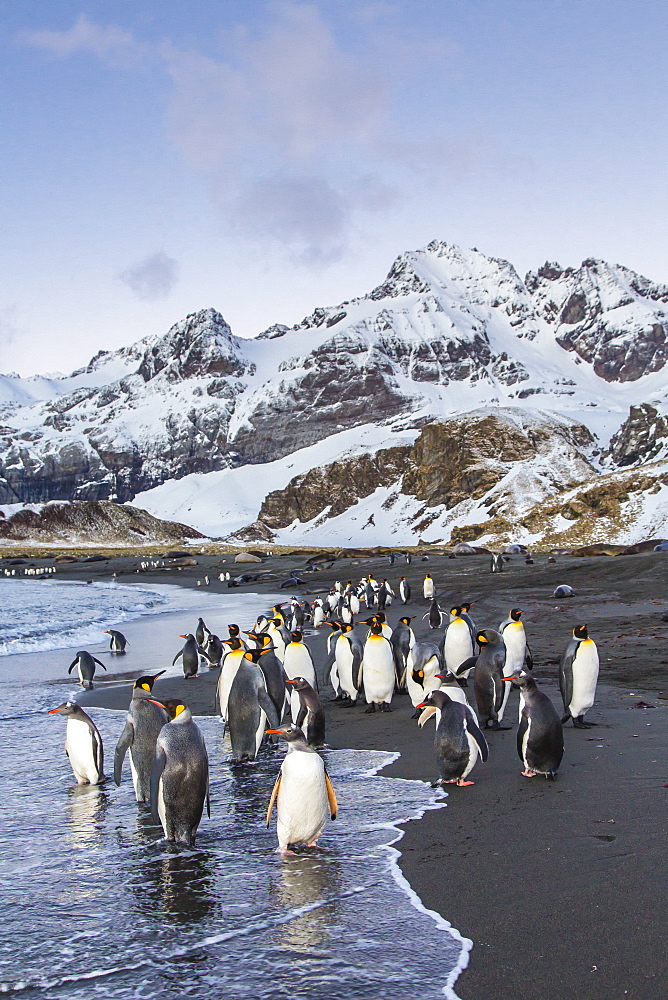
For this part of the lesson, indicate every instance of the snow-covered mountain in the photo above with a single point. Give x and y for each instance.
(566, 366)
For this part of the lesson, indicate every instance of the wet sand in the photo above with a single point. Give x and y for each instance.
(561, 886)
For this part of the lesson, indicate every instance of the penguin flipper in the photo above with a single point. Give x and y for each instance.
(331, 798)
(99, 662)
(277, 785)
(180, 653)
(301, 715)
(528, 658)
(426, 715)
(156, 774)
(521, 730)
(468, 664)
(125, 741)
(566, 676)
(473, 728)
(356, 668)
(269, 709)
(73, 665)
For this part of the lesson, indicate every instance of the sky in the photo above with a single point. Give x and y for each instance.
(271, 156)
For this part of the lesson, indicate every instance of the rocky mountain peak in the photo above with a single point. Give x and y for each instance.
(200, 344)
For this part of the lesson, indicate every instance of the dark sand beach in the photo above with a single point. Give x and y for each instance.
(561, 886)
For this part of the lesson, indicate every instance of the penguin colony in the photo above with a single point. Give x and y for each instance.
(268, 690)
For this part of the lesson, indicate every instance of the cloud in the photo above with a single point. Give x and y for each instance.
(153, 278)
(8, 326)
(110, 43)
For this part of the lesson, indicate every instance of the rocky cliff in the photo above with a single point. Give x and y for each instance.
(89, 523)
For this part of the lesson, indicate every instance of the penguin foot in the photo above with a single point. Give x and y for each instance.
(463, 784)
(499, 728)
(529, 774)
(370, 710)
(385, 707)
(416, 714)
(579, 724)
(285, 851)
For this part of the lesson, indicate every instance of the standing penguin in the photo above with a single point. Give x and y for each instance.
(434, 615)
(85, 664)
(201, 632)
(422, 666)
(428, 588)
(348, 655)
(272, 668)
(229, 667)
(303, 793)
(213, 650)
(496, 562)
(298, 662)
(249, 708)
(458, 645)
(488, 678)
(83, 744)
(402, 641)
(310, 711)
(404, 590)
(518, 654)
(118, 642)
(190, 654)
(180, 775)
(378, 670)
(234, 632)
(458, 740)
(540, 737)
(578, 674)
(144, 721)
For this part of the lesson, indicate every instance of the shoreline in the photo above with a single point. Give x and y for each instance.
(556, 904)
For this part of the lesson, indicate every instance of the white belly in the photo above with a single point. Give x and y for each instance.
(428, 589)
(378, 671)
(473, 755)
(418, 692)
(79, 746)
(227, 674)
(458, 646)
(318, 617)
(354, 605)
(302, 806)
(514, 638)
(585, 676)
(298, 663)
(344, 667)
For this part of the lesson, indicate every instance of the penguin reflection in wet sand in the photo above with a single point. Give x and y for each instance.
(303, 793)
(190, 654)
(311, 712)
(458, 741)
(83, 744)
(85, 664)
(180, 775)
(144, 721)
(118, 642)
(578, 674)
(540, 737)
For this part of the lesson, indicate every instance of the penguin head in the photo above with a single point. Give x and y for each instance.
(336, 626)
(189, 635)
(233, 631)
(481, 637)
(436, 698)
(446, 677)
(376, 628)
(296, 636)
(580, 632)
(455, 612)
(67, 708)
(175, 709)
(347, 627)
(516, 614)
(253, 655)
(293, 734)
(466, 606)
(146, 682)
(233, 642)
(276, 622)
(406, 620)
(520, 678)
(298, 683)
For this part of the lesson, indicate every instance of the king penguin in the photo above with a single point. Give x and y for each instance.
(428, 587)
(404, 590)
(518, 654)
(458, 741)
(85, 664)
(488, 678)
(578, 674)
(422, 667)
(144, 721)
(83, 744)
(298, 662)
(458, 644)
(540, 736)
(180, 775)
(249, 708)
(348, 654)
(303, 793)
(378, 670)
(402, 641)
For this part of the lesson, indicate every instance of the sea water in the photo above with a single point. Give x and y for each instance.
(95, 903)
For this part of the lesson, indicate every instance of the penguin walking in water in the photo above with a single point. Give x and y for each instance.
(458, 645)
(85, 664)
(144, 721)
(428, 589)
(402, 641)
(348, 655)
(518, 654)
(310, 711)
(303, 793)
(83, 744)
(435, 615)
(298, 662)
(249, 708)
(378, 670)
(458, 741)
(422, 667)
(578, 675)
(540, 737)
(404, 590)
(190, 655)
(488, 678)
(118, 642)
(180, 775)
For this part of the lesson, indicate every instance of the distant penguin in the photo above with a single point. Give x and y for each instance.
(488, 678)
(249, 708)
(180, 775)
(434, 615)
(458, 645)
(201, 632)
(402, 640)
(298, 662)
(378, 670)
(563, 590)
(190, 655)
(83, 744)
(496, 563)
(540, 737)
(280, 636)
(404, 590)
(422, 666)
(382, 597)
(578, 675)
(118, 641)
(458, 741)
(311, 716)
(428, 589)
(144, 721)
(85, 664)
(303, 793)
(318, 613)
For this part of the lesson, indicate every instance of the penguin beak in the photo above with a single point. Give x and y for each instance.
(52, 710)
(272, 732)
(508, 678)
(288, 681)
(183, 637)
(439, 676)
(158, 703)
(423, 704)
